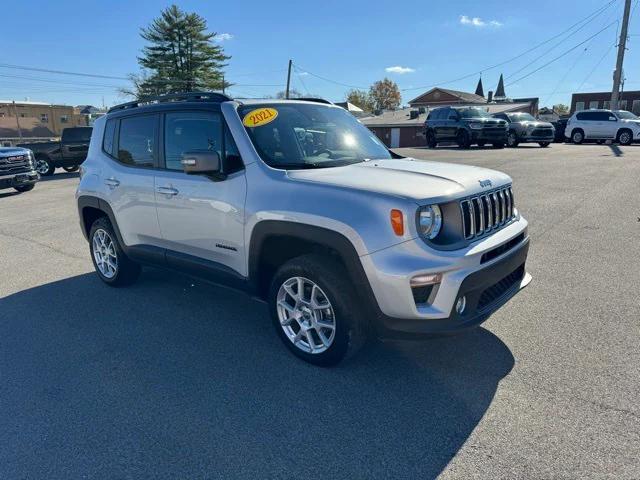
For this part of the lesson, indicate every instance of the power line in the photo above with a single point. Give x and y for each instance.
(329, 80)
(561, 55)
(520, 55)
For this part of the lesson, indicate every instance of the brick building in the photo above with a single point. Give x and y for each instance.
(585, 101)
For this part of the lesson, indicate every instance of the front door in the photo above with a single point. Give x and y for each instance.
(395, 137)
(200, 216)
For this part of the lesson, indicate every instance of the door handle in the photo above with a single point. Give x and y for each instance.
(112, 182)
(167, 191)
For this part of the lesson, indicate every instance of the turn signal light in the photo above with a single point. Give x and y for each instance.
(397, 222)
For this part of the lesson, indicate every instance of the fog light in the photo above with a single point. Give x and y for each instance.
(427, 279)
(461, 304)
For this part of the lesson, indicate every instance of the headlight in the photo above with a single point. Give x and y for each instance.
(475, 126)
(429, 221)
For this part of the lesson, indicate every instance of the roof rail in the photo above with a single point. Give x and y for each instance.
(213, 97)
(313, 99)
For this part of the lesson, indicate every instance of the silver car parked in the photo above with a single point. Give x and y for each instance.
(524, 128)
(299, 204)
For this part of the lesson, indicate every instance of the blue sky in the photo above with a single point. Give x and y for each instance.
(349, 42)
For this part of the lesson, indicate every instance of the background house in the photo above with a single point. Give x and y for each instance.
(584, 101)
(30, 119)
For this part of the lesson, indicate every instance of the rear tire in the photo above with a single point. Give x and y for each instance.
(543, 144)
(498, 145)
(577, 136)
(463, 140)
(74, 168)
(25, 188)
(44, 167)
(112, 265)
(481, 144)
(301, 321)
(625, 137)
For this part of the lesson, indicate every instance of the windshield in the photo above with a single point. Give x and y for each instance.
(623, 114)
(302, 135)
(521, 117)
(473, 113)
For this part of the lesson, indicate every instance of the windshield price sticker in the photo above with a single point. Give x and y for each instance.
(259, 117)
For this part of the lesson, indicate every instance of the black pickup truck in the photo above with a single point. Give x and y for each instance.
(68, 153)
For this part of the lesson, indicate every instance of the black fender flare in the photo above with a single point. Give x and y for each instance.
(311, 233)
(90, 201)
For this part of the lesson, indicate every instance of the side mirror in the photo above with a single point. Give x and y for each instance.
(613, 119)
(201, 162)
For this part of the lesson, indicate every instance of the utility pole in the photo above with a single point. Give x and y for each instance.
(286, 93)
(15, 111)
(617, 75)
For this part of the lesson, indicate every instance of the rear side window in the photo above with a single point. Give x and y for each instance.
(80, 135)
(109, 137)
(189, 131)
(137, 141)
(586, 116)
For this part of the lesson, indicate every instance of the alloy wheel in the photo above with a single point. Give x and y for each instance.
(625, 138)
(104, 253)
(42, 166)
(306, 315)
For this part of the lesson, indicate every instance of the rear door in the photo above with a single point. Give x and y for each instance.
(200, 216)
(128, 179)
(75, 145)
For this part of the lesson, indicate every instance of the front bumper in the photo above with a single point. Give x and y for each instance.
(471, 272)
(19, 179)
(536, 139)
(493, 135)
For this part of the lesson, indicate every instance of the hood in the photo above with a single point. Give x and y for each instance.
(418, 180)
(12, 151)
(486, 121)
(635, 122)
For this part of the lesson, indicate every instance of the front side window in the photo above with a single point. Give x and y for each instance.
(188, 132)
(80, 135)
(137, 140)
(303, 135)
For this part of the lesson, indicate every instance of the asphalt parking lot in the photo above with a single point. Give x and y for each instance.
(174, 378)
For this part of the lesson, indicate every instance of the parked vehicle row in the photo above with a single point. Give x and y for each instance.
(468, 126)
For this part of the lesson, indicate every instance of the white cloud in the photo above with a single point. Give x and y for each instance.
(222, 37)
(478, 22)
(399, 70)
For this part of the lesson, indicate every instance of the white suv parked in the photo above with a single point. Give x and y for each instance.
(299, 204)
(618, 125)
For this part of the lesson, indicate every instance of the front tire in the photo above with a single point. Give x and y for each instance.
(512, 139)
(481, 144)
(44, 167)
(543, 144)
(431, 139)
(498, 145)
(577, 136)
(625, 137)
(112, 265)
(25, 188)
(314, 310)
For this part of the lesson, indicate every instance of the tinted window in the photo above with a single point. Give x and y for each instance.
(189, 131)
(76, 135)
(137, 142)
(588, 116)
(109, 137)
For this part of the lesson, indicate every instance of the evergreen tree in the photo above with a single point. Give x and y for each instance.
(181, 56)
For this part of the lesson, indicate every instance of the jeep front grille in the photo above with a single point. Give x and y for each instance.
(486, 213)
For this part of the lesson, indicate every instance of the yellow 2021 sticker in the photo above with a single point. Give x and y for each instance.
(259, 117)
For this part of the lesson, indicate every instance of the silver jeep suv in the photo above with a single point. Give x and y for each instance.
(299, 204)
